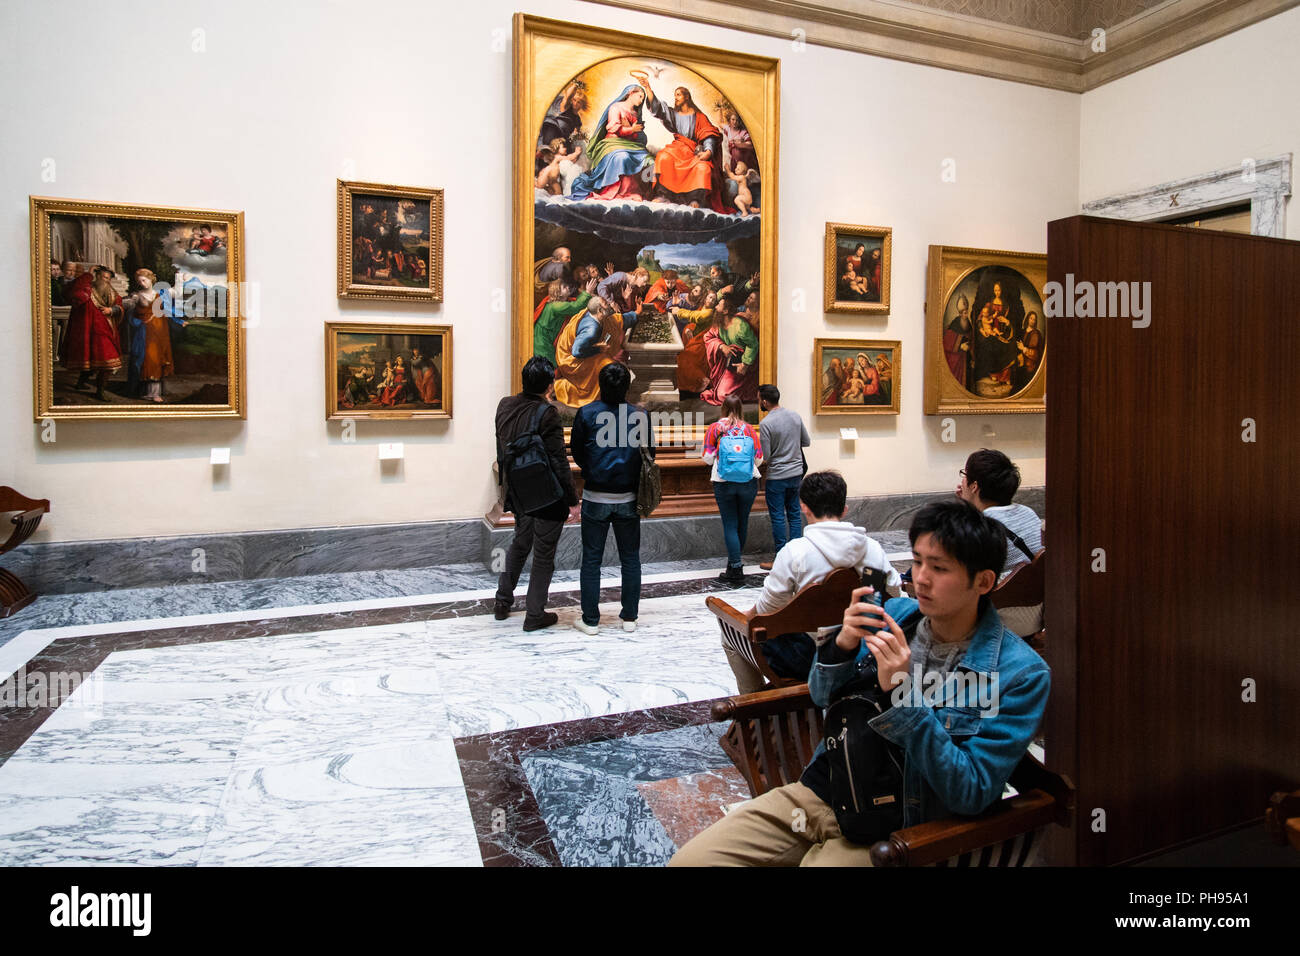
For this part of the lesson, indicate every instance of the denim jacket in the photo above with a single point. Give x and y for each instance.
(956, 759)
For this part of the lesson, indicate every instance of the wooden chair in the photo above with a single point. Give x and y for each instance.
(779, 730)
(1024, 587)
(24, 514)
(816, 606)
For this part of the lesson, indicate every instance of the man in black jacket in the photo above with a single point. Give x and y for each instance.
(606, 444)
(537, 531)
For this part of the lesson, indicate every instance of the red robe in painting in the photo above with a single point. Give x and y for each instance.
(91, 339)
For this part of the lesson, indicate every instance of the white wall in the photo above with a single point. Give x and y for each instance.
(1209, 108)
(285, 93)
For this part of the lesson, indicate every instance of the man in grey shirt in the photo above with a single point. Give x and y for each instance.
(783, 437)
(989, 481)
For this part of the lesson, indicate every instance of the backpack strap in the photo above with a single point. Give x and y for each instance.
(1015, 539)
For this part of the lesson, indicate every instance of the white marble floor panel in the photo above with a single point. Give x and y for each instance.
(326, 748)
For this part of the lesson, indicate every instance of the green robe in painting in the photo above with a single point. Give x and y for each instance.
(553, 318)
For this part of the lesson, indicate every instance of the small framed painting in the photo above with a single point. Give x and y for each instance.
(853, 377)
(857, 268)
(387, 371)
(390, 242)
(136, 311)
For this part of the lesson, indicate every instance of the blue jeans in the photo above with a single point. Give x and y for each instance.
(596, 519)
(735, 498)
(782, 496)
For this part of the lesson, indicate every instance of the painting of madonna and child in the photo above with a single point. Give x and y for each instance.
(387, 371)
(648, 206)
(993, 332)
(137, 313)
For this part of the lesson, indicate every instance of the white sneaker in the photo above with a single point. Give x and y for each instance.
(586, 628)
(629, 626)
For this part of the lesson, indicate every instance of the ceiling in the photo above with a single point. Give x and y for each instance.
(1073, 45)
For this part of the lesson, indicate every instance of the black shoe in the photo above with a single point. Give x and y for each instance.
(546, 620)
(500, 610)
(733, 576)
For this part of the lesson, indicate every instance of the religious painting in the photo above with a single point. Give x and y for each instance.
(857, 268)
(136, 311)
(387, 371)
(852, 377)
(986, 334)
(390, 242)
(645, 204)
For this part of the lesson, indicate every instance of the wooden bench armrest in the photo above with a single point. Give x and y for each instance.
(764, 703)
(722, 609)
(940, 840)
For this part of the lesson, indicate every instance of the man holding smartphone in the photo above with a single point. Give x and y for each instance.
(956, 758)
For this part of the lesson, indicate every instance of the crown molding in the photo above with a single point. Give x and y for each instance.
(932, 37)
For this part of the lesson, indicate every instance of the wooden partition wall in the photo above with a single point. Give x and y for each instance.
(1175, 701)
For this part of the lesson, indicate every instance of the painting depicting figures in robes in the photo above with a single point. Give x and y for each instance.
(857, 267)
(987, 333)
(387, 371)
(854, 378)
(390, 242)
(137, 312)
(646, 197)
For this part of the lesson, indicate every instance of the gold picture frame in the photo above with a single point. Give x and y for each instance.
(418, 362)
(876, 389)
(120, 349)
(732, 88)
(865, 289)
(985, 361)
(379, 252)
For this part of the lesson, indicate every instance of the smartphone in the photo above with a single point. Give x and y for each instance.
(878, 581)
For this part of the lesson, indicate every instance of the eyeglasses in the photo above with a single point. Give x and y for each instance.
(962, 472)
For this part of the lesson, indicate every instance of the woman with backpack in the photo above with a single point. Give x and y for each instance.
(731, 446)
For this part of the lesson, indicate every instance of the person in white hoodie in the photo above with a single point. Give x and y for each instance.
(828, 542)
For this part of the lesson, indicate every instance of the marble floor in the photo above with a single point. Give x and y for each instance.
(263, 735)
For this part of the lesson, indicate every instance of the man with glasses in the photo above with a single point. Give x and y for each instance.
(989, 481)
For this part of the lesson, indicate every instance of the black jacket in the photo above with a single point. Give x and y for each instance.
(514, 415)
(612, 468)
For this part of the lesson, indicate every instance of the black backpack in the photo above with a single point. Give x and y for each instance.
(866, 770)
(531, 484)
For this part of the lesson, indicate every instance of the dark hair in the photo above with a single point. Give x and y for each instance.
(733, 407)
(538, 375)
(825, 493)
(614, 380)
(961, 529)
(998, 477)
(770, 394)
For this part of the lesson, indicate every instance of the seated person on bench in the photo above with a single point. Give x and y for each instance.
(828, 542)
(954, 759)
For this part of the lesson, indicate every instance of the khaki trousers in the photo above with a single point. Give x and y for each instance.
(788, 826)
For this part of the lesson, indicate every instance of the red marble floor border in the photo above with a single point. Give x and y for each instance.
(511, 831)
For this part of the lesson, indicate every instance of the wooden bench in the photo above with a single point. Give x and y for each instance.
(23, 516)
(778, 731)
(816, 606)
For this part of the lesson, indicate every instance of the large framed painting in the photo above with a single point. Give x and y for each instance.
(985, 332)
(852, 377)
(390, 242)
(387, 371)
(645, 187)
(857, 261)
(136, 310)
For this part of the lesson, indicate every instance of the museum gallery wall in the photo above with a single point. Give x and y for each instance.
(472, 267)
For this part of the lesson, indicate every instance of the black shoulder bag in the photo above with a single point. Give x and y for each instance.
(530, 481)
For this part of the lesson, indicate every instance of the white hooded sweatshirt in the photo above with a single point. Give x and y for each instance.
(825, 546)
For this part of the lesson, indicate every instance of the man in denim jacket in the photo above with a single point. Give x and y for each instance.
(964, 700)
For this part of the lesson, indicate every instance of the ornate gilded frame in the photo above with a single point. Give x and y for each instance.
(332, 410)
(896, 382)
(949, 266)
(347, 288)
(547, 54)
(43, 359)
(831, 270)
